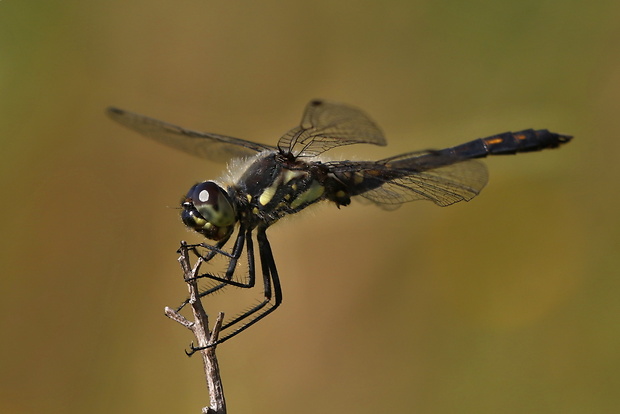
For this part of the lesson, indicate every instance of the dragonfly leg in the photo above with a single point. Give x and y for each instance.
(271, 285)
(227, 280)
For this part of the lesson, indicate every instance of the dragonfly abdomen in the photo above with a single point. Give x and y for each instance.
(527, 140)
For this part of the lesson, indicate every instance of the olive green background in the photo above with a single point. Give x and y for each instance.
(506, 304)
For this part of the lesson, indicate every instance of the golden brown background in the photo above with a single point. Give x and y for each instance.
(507, 304)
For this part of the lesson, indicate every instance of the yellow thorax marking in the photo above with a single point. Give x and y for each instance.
(313, 192)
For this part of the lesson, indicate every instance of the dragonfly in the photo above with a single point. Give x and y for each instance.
(271, 182)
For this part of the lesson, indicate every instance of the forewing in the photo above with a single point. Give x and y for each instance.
(326, 125)
(213, 147)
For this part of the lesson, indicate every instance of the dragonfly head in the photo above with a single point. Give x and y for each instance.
(207, 209)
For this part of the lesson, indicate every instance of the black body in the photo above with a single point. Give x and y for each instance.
(278, 181)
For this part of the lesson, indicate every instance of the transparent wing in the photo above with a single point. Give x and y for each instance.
(443, 186)
(213, 147)
(326, 125)
(414, 176)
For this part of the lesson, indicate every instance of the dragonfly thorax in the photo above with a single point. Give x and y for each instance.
(208, 210)
(274, 186)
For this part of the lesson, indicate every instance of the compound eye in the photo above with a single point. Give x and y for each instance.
(208, 210)
(212, 203)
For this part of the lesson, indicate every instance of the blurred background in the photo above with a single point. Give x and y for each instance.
(506, 304)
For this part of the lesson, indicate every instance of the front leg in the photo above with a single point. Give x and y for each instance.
(213, 249)
(243, 237)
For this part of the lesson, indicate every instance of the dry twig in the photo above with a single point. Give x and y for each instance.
(200, 328)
